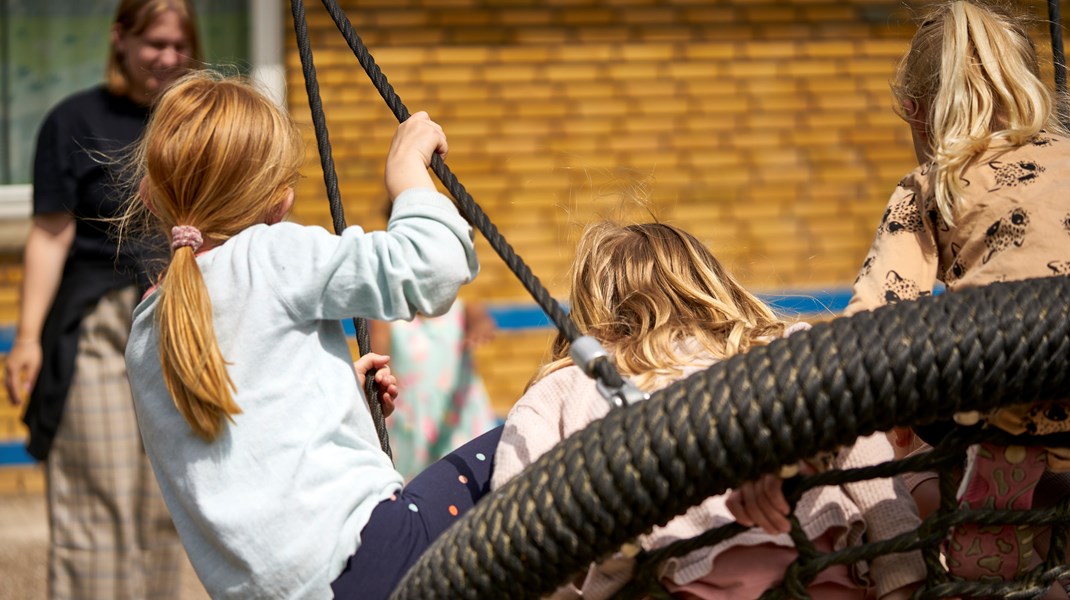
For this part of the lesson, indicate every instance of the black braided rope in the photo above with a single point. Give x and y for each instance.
(334, 197)
(640, 466)
(605, 370)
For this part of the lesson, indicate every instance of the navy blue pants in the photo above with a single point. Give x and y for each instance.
(403, 527)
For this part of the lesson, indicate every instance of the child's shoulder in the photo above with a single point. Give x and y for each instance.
(918, 178)
(566, 382)
(1043, 147)
(275, 246)
(566, 375)
(282, 236)
(566, 397)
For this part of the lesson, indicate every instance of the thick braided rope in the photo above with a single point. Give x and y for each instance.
(334, 197)
(642, 465)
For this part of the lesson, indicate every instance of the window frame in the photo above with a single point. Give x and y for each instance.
(266, 35)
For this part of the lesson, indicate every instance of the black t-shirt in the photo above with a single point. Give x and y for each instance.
(82, 147)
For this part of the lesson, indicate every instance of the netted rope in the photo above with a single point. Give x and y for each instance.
(642, 465)
(646, 576)
(928, 537)
(334, 197)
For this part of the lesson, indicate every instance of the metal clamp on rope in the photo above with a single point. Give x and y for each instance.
(586, 352)
(622, 396)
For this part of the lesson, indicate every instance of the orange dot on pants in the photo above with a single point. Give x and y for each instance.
(453, 510)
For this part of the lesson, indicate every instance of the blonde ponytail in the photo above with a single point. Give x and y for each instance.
(193, 367)
(975, 70)
(217, 157)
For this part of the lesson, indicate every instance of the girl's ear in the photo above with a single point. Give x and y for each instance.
(279, 212)
(146, 198)
(918, 119)
(914, 111)
(117, 41)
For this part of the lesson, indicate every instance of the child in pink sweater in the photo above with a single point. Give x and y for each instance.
(665, 308)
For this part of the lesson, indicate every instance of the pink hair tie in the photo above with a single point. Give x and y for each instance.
(186, 235)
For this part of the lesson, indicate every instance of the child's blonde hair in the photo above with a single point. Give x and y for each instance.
(647, 290)
(974, 70)
(220, 156)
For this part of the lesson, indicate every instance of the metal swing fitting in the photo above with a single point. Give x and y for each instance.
(586, 352)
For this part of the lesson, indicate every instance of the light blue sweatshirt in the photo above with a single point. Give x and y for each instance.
(275, 505)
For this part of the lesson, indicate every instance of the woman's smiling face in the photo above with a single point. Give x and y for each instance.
(155, 57)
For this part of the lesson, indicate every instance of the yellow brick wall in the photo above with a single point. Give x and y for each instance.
(10, 278)
(763, 126)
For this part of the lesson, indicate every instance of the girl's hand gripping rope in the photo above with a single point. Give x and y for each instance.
(414, 143)
(761, 503)
(385, 381)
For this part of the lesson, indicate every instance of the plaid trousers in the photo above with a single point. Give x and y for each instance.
(111, 535)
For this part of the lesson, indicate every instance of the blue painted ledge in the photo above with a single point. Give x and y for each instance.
(14, 454)
(520, 317)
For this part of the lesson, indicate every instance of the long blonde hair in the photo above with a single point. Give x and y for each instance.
(974, 68)
(134, 17)
(220, 156)
(646, 291)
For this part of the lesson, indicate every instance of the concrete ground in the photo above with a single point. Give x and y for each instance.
(24, 549)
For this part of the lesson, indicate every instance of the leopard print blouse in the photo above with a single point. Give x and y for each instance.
(1012, 224)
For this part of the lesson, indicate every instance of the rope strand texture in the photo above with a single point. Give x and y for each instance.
(642, 465)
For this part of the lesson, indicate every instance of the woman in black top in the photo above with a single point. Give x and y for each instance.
(111, 537)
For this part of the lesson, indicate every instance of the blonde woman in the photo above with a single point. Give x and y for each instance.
(249, 408)
(988, 202)
(110, 536)
(664, 307)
